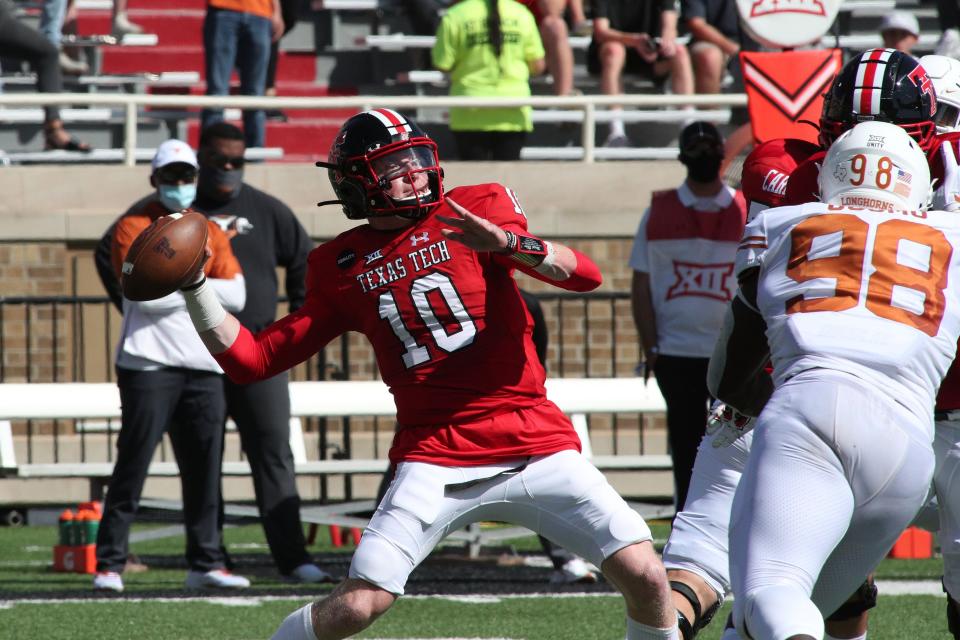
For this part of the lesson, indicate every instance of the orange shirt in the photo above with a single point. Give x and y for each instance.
(262, 8)
(223, 264)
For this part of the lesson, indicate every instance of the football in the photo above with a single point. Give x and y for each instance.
(164, 256)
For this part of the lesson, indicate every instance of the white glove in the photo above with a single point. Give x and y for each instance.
(727, 424)
(951, 178)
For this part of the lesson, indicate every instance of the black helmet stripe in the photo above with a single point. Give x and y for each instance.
(870, 75)
(395, 123)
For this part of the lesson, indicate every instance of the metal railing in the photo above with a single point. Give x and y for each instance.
(132, 102)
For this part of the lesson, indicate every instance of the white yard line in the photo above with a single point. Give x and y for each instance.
(886, 587)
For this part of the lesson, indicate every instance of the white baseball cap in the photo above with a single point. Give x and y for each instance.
(173, 151)
(901, 20)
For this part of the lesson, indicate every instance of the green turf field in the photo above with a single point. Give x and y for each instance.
(37, 603)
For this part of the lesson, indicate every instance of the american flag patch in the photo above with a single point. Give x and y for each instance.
(902, 186)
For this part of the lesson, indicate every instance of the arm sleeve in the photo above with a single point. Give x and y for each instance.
(502, 207)
(103, 261)
(293, 247)
(752, 247)
(284, 344)
(444, 54)
(639, 258)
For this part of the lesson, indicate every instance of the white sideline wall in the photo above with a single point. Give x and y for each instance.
(101, 400)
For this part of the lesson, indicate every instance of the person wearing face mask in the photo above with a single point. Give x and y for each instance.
(682, 261)
(264, 234)
(169, 384)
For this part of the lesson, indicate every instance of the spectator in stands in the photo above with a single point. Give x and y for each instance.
(489, 48)
(556, 41)
(51, 26)
(264, 235)
(638, 37)
(682, 261)
(900, 30)
(21, 42)
(120, 24)
(169, 384)
(948, 13)
(289, 12)
(238, 33)
(715, 35)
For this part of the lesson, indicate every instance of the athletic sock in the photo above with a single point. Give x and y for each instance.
(297, 626)
(637, 631)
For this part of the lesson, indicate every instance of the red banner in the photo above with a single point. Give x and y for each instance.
(785, 88)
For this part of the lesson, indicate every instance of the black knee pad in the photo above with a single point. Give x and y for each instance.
(701, 618)
(863, 599)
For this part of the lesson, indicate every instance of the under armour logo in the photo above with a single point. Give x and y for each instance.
(701, 280)
(423, 237)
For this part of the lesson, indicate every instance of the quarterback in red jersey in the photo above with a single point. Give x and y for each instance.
(429, 280)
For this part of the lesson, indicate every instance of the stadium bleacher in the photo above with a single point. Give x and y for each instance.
(348, 47)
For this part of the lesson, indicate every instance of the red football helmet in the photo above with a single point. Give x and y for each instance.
(884, 85)
(374, 150)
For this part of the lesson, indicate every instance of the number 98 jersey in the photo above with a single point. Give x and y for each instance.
(861, 291)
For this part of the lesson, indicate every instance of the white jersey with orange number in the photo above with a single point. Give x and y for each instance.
(859, 291)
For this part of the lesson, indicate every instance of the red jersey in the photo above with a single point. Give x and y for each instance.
(450, 331)
(769, 169)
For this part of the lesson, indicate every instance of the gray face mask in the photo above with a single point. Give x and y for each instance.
(220, 184)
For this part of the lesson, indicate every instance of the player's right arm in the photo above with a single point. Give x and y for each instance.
(736, 374)
(247, 357)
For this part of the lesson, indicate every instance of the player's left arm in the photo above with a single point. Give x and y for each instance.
(737, 373)
(548, 261)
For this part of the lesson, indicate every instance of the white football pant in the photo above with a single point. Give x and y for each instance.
(560, 496)
(838, 470)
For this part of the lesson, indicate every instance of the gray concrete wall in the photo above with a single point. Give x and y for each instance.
(76, 204)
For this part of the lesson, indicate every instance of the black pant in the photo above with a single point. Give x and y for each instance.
(489, 145)
(262, 413)
(190, 406)
(683, 383)
(290, 10)
(22, 42)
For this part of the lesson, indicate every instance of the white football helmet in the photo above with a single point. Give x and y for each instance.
(944, 72)
(875, 165)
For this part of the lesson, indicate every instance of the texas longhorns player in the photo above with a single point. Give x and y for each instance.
(696, 554)
(842, 451)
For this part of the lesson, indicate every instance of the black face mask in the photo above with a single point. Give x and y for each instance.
(706, 168)
(219, 184)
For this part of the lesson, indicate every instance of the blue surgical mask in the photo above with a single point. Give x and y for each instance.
(177, 197)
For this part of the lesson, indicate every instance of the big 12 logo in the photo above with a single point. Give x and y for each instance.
(920, 78)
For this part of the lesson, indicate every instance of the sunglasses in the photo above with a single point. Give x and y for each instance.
(176, 172)
(220, 160)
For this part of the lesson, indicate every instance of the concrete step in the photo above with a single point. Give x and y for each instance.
(117, 60)
(184, 27)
